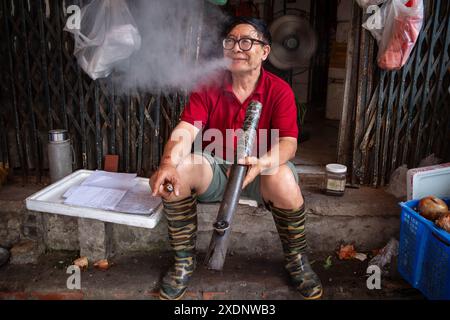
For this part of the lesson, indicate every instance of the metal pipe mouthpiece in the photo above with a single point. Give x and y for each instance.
(221, 226)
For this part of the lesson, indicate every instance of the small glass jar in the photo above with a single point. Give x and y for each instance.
(335, 179)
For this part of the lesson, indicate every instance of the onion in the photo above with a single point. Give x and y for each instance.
(444, 222)
(432, 208)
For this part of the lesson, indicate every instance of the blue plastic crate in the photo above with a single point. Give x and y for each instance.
(424, 253)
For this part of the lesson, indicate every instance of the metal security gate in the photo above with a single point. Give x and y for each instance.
(396, 117)
(43, 88)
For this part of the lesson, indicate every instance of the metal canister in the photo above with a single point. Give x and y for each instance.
(59, 154)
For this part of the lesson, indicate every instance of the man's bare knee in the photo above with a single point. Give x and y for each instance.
(282, 189)
(196, 171)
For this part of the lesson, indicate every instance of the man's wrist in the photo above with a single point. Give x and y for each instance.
(167, 161)
(265, 163)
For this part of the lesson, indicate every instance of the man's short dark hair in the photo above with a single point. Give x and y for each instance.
(258, 24)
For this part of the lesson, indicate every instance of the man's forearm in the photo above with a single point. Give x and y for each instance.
(174, 152)
(179, 144)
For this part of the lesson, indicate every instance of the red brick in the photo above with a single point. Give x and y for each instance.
(14, 295)
(76, 295)
(212, 295)
(111, 163)
(191, 294)
(153, 294)
(123, 295)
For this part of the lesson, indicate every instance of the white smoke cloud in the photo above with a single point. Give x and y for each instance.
(170, 32)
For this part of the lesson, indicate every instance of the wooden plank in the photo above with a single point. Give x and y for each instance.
(98, 134)
(82, 119)
(361, 102)
(140, 143)
(349, 86)
(127, 134)
(156, 141)
(44, 69)
(387, 125)
(34, 134)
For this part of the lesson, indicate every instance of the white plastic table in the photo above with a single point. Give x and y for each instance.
(50, 200)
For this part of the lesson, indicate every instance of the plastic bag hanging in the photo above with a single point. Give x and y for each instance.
(108, 35)
(400, 24)
(366, 3)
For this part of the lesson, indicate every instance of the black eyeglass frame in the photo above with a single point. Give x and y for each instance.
(239, 43)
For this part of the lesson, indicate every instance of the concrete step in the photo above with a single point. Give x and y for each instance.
(366, 216)
(311, 175)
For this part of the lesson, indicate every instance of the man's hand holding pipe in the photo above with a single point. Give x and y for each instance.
(256, 166)
(278, 155)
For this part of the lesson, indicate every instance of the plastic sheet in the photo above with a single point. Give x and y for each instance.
(107, 35)
(367, 3)
(384, 259)
(397, 182)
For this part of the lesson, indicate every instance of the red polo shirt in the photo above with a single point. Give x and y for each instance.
(217, 107)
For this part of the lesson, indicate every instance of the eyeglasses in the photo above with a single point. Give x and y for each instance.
(245, 44)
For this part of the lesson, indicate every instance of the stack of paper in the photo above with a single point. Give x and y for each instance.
(138, 200)
(113, 191)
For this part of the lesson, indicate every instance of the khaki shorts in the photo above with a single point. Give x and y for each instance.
(219, 167)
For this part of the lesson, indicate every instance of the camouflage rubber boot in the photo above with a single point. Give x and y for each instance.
(182, 227)
(291, 229)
